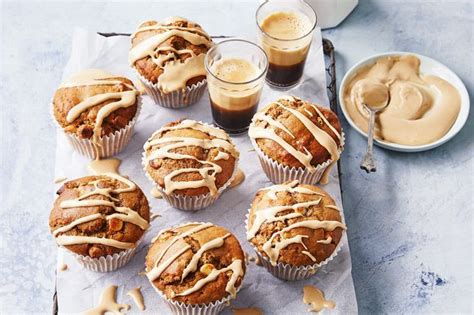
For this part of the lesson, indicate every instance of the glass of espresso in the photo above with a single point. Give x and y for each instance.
(285, 31)
(235, 76)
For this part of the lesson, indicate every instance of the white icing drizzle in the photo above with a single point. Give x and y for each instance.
(122, 213)
(108, 303)
(332, 207)
(137, 297)
(175, 72)
(320, 135)
(237, 271)
(208, 171)
(159, 267)
(326, 241)
(192, 265)
(98, 77)
(270, 214)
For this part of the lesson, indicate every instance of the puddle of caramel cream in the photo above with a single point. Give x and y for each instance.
(421, 110)
(97, 167)
(238, 179)
(137, 297)
(156, 193)
(108, 303)
(62, 267)
(315, 298)
(247, 311)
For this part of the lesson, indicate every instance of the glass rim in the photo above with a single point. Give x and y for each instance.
(208, 70)
(292, 39)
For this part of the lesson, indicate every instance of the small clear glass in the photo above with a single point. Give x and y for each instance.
(233, 103)
(287, 57)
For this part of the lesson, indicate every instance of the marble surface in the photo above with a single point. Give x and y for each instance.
(410, 224)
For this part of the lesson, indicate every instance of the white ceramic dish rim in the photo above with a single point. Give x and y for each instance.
(443, 72)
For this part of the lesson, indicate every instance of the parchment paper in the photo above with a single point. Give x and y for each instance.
(79, 289)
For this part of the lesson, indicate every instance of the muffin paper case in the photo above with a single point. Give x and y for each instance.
(191, 203)
(278, 173)
(177, 99)
(179, 308)
(110, 145)
(288, 272)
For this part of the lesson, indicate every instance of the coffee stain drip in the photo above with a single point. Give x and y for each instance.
(108, 303)
(247, 311)
(137, 297)
(175, 72)
(94, 77)
(121, 213)
(236, 267)
(315, 297)
(319, 134)
(272, 247)
(162, 147)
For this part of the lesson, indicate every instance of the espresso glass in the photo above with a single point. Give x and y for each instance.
(233, 104)
(286, 57)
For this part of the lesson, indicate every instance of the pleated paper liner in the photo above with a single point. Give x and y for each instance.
(109, 145)
(288, 272)
(176, 99)
(180, 308)
(278, 173)
(194, 203)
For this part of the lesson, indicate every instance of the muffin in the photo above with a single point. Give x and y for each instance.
(296, 140)
(196, 267)
(294, 229)
(97, 112)
(191, 163)
(168, 57)
(100, 220)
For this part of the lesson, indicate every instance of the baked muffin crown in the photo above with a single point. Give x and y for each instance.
(170, 53)
(294, 224)
(196, 263)
(99, 215)
(296, 133)
(94, 104)
(190, 158)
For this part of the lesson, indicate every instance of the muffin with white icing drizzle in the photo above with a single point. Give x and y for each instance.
(97, 111)
(196, 266)
(168, 57)
(294, 228)
(100, 219)
(296, 140)
(190, 162)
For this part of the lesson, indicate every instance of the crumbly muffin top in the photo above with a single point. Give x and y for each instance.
(196, 263)
(294, 224)
(170, 53)
(99, 215)
(296, 133)
(190, 158)
(95, 103)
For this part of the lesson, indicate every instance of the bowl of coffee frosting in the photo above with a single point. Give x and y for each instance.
(427, 103)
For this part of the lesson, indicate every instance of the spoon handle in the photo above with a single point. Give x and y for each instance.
(368, 163)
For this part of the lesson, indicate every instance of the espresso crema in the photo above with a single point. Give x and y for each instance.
(234, 97)
(286, 41)
(421, 109)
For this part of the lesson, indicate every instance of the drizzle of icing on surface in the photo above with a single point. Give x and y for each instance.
(247, 311)
(163, 147)
(137, 297)
(156, 193)
(98, 167)
(321, 136)
(238, 179)
(108, 303)
(58, 180)
(315, 297)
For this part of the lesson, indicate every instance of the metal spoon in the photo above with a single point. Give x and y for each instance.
(368, 163)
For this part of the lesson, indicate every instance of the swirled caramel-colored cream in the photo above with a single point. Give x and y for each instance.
(421, 109)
